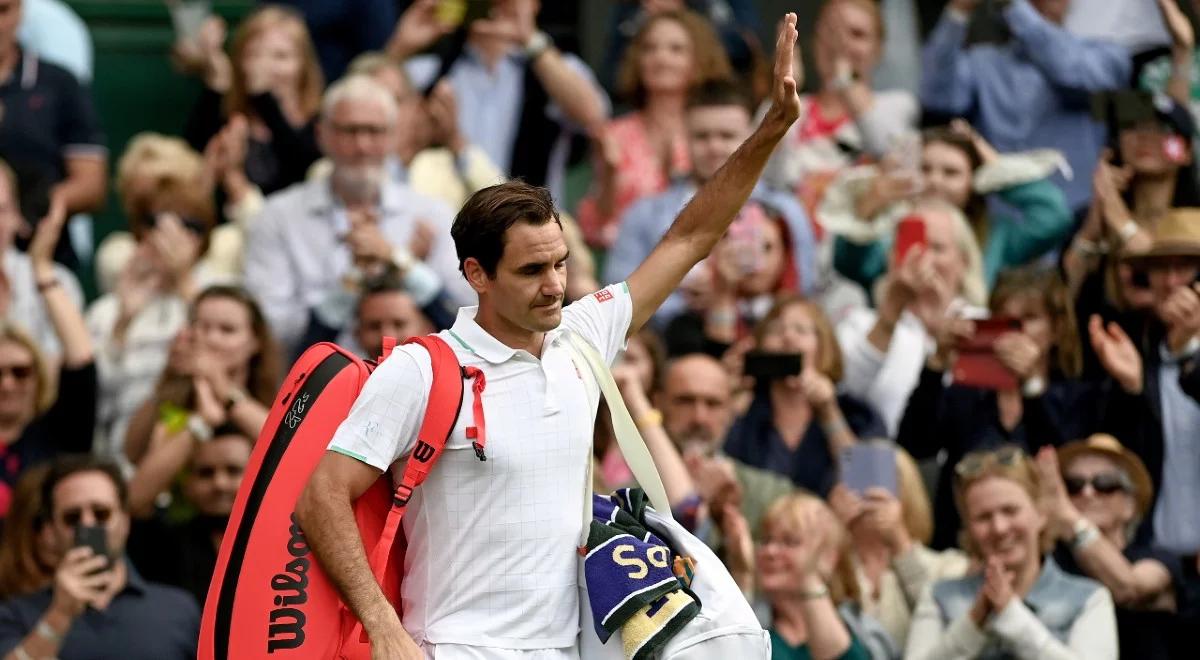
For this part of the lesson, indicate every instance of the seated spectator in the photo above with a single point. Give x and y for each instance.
(228, 374)
(640, 152)
(1048, 107)
(385, 309)
(1018, 603)
(1047, 405)
(275, 84)
(27, 552)
(696, 404)
(796, 425)
(1095, 504)
(890, 535)
(805, 575)
(170, 215)
(846, 120)
(98, 605)
(718, 118)
(519, 98)
(1156, 410)
(43, 414)
(184, 554)
(50, 134)
(20, 300)
(313, 244)
(885, 349)
(958, 167)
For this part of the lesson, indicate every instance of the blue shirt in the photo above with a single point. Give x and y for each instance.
(144, 620)
(1176, 525)
(1033, 92)
(646, 221)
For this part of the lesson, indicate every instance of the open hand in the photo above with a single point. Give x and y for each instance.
(47, 235)
(1183, 37)
(1053, 494)
(1117, 354)
(785, 100)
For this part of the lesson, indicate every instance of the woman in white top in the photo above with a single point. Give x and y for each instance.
(1019, 604)
(884, 348)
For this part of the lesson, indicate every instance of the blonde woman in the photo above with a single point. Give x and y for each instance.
(1019, 603)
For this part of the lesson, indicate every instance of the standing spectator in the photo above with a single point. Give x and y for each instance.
(275, 84)
(50, 134)
(719, 117)
(184, 554)
(1019, 603)
(519, 98)
(27, 552)
(890, 536)
(41, 415)
(313, 244)
(846, 119)
(640, 152)
(958, 167)
(1049, 405)
(1157, 410)
(230, 377)
(885, 349)
(1033, 91)
(54, 31)
(20, 300)
(1095, 505)
(1130, 23)
(796, 425)
(98, 606)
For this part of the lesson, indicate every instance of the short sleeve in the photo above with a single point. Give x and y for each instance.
(79, 130)
(383, 422)
(602, 318)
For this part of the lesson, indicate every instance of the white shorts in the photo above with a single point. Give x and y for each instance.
(465, 652)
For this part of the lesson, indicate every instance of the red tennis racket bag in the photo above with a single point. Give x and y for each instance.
(269, 597)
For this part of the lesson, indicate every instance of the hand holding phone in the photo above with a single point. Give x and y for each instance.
(910, 233)
(977, 364)
(94, 537)
(867, 465)
(766, 365)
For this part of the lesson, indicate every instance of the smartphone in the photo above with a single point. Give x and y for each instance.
(910, 233)
(867, 465)
(188, 16)
(94, 537)
(977, 364)
(772, 366)
(462, 12)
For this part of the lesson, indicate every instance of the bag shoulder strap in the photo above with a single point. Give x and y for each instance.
(441, 414)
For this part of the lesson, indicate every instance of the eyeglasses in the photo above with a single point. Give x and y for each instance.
(73, 516)
(978, 461)
(354, 130)
(19, 372)
(1105, 483)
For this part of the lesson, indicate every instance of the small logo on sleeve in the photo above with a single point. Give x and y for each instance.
(603, 295)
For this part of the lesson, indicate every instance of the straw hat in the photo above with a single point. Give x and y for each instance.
(1108, 446)
(1176, 235)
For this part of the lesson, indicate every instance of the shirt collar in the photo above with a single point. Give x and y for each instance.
(133, 580)
(26, 70)
(391, 193)
(1047, 589)
(468, 334)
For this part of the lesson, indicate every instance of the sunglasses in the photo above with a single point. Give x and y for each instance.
(73, 516)
(977, 461)
(1105, 483)
(19, 372)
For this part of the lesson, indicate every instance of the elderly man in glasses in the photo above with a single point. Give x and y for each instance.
(99, 606)
(1096, 493)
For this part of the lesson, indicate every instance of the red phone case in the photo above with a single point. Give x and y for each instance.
(977, 364)
(910, 233)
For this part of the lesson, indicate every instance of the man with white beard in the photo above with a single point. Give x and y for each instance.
(315, 243)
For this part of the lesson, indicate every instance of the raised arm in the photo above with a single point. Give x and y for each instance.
(704, 220)
(947, 82)
(66, 316)
(1066, 60)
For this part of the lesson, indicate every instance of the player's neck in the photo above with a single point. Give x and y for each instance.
(508, 333)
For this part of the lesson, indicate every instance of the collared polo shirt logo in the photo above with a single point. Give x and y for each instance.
(603, 295)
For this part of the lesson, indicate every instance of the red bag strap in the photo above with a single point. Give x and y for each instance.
(388, 344)
(441, 414)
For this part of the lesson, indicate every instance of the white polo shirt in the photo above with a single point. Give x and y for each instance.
(491, 559)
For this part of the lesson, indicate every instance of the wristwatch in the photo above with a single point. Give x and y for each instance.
(199, 428)
(236, 396)
(539, 43)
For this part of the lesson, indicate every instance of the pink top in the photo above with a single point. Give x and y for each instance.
(640, 174)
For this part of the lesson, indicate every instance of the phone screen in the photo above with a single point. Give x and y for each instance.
(761, 364)
(94, 537)
(869, 465)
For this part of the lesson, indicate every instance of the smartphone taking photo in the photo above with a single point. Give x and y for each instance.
(977, 364)
(867, 465)
(772, 366)
(96, 538)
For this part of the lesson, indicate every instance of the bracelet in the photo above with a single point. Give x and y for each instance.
(539, 43)
(1085, 534)
(814, 595)
(1089, 248)
(236, 396)
(835, 426)
(1033, 388)
(47, 631)
(200, 429)
(45, 286)
(651, 417)
(21, 653)
(1128, 231)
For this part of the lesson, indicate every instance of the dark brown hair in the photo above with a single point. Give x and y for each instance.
(265, 367)
(976, 209)
(21, 569)
(480, 226)
(68, 465)
(720, 92)
(1044, 286)
(267, 17)
(708, 55)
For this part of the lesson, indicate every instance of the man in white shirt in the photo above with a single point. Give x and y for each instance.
(491, 566)
(315, 242)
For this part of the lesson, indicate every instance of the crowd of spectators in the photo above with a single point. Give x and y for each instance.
(936, 393)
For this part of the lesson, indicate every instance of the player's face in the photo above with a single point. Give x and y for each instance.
(531, 277)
